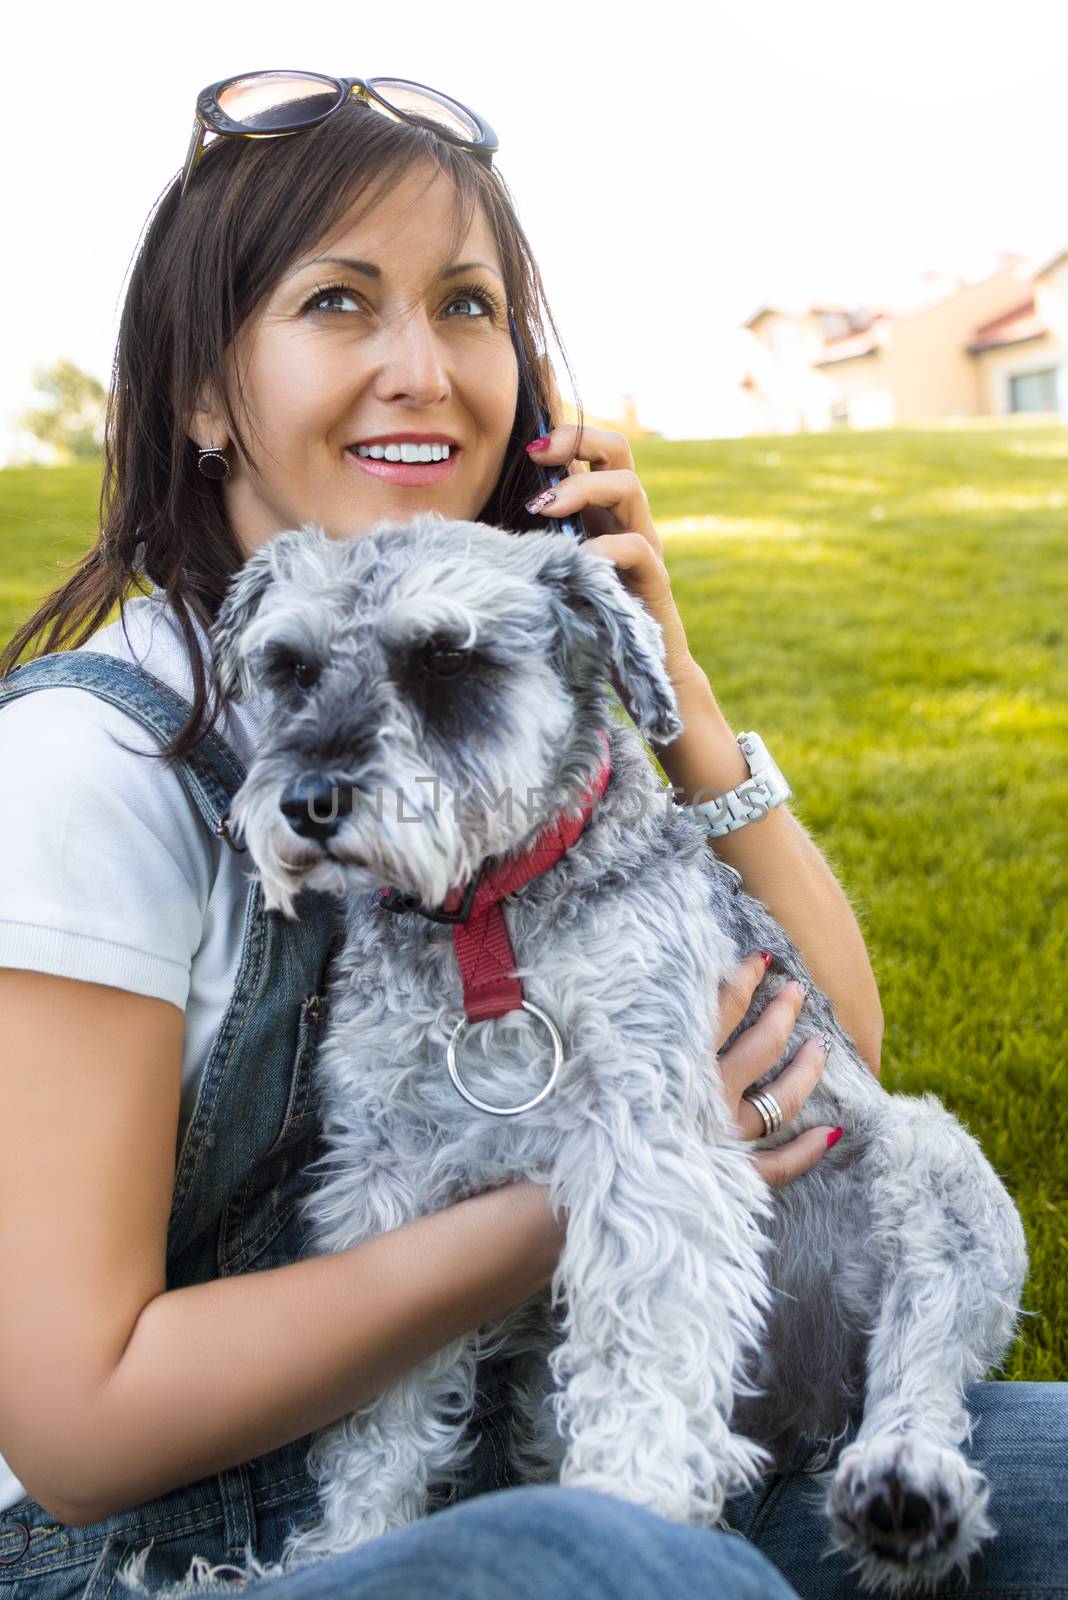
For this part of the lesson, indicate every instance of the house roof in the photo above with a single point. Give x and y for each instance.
(838, 350)
(870, 329)
(1017, 326)
(860, 317)
(760, 313)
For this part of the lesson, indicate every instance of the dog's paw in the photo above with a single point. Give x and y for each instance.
(907, 1511)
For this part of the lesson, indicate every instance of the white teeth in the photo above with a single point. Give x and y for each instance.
(404, 452)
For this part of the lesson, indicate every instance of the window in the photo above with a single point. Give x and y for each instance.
(1034, 391)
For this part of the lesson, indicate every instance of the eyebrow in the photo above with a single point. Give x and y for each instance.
(369, 268)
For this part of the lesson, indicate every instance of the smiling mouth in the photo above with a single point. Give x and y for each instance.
(414, 474)
(407, 451)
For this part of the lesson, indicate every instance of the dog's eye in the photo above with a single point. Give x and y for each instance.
(444, 658)
(283, 670)
(305, 674)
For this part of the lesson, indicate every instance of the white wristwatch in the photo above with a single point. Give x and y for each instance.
(752, 799)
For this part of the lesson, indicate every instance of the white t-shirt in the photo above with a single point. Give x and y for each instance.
(108, 872)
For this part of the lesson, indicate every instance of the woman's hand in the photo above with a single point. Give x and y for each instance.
(615, 515)
(754, 1052)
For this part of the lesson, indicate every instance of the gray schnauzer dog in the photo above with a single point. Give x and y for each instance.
(698, 1323)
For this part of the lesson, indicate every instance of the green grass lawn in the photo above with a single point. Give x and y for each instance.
(890, 611)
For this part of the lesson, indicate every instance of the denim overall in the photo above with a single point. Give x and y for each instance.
(238, 1177)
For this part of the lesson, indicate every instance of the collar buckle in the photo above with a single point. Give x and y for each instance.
(401, 900)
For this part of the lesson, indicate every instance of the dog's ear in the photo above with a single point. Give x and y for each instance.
(248, 586)
(600, 624)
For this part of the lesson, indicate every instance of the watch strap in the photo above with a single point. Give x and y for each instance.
(750, 800)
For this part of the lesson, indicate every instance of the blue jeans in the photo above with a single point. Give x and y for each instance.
(545, 1542)
(538, 1542)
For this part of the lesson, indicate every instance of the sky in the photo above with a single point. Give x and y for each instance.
(675, 165)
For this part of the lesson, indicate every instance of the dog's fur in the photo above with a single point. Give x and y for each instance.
(699, 1323)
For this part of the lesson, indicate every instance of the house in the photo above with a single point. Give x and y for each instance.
(947, 350)
(1022, 356)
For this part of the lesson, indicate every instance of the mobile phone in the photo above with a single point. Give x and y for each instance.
(571, 525)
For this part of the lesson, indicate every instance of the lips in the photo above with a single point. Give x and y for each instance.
(409, 474)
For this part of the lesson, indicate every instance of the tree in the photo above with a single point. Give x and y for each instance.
(72, 418)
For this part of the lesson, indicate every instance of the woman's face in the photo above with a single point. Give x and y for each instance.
(406, 344)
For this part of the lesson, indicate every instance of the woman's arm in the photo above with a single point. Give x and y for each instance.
(778, 862)
(114, 1389)
(779, 865)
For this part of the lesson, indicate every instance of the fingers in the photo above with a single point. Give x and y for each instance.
(636, 555)
(601, 447)
(609, 498)
(787, 1162)
(760, 1047)
(618, 493)
(736, 995)
(791, 1088)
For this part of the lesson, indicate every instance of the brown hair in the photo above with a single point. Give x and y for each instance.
(202, 269)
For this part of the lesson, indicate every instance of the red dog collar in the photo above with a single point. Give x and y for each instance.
(479, 935)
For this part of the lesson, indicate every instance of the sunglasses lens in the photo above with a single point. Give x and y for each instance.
(269, 100)
(414, 101)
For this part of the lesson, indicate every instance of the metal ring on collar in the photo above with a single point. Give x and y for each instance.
(508, 1111)
(769, 1109)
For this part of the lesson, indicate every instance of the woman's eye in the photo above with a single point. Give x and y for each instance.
(443, 658)
(321, 296)
(472, 300)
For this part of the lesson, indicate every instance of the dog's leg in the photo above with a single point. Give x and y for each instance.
(375, 1467)
(665, 1288)
(904, 1500)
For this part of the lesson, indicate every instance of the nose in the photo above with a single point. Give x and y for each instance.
(316, 808)
(413, 370)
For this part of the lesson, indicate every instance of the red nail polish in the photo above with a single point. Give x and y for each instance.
(834, 1136)
(538, 444)
(765, 956)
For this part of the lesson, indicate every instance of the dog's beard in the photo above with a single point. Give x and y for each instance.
(422, 837)
(425, 854)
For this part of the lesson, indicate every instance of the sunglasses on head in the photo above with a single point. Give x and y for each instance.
(263, 105)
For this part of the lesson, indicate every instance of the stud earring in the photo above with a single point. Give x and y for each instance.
(212, 463)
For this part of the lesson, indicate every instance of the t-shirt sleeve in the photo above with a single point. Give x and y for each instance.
(105, 865)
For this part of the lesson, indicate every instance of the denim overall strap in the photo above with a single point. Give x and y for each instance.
(212, 771)
(240, 1170)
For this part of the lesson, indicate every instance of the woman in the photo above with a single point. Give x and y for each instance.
(295, 298)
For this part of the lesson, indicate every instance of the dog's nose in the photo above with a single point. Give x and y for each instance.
(315, 809)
